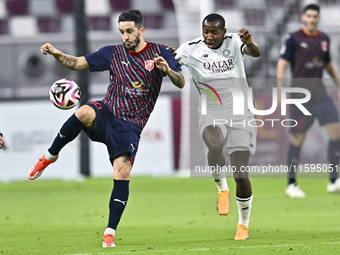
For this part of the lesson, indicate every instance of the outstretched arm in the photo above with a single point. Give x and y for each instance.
(282, 66)
(251, 48)
(333, 73)
(176, 77)
(70, 62)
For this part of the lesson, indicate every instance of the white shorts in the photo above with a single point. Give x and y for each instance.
(238, 137)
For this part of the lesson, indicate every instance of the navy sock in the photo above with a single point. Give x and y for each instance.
(293, 159)
(67, 133)
(334, 157)
(119, 198)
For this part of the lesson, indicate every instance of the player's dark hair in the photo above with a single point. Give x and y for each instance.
(313, 7)
(132, 15)
(215, 17)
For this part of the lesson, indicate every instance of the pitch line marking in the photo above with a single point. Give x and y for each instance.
(207, 249)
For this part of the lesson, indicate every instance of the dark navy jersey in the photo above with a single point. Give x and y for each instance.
(135, 81)
(308, 56)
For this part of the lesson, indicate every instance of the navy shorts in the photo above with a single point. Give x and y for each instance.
(120, 137)
(323, 109)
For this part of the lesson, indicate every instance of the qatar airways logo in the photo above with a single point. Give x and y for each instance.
(240, 104)
(219, 66)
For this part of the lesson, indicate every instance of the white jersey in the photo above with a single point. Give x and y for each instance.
(216, 72)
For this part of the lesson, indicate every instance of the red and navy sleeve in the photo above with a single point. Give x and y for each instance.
(288, 49)
(100, 59)
(172, 62)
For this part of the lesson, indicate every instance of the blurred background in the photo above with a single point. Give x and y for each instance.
(30, 122)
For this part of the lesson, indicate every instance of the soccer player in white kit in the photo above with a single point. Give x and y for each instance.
(215, 61)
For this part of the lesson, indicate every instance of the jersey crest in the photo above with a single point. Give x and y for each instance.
(149, 65)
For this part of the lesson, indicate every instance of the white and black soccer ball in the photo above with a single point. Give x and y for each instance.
(65, 94)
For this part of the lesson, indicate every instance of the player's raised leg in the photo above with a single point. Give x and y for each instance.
(84, 117)
(244, 196)
(296, 142)
(214, 140)
(121, 167)
(333, 130)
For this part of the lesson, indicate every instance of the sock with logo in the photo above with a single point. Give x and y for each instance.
(220, 180)
(293, 159)
(67, 133)
(244, 206)
(118, 200)
(334, 157)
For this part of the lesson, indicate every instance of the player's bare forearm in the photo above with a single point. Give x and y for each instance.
(68, 61)
(280, 74)
(176, 78)
(253, 50)
(72, 62)
(333, 73)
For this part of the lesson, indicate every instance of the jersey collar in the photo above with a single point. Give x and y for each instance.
(140, 52)
(312, 36)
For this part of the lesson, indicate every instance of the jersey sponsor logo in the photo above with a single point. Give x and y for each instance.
(205, 55)
(226, 52)
(314, 64)
(324, 45)
(137, 91)
(219, 66)
(304, 45)
(149, 65)
(137, 84)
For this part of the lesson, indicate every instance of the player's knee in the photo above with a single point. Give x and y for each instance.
(122, 168)
(123, 174)
(242, 182)
(297, 139)
(85, 114)
(216, 151)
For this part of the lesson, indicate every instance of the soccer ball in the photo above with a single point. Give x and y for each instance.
(65, 94)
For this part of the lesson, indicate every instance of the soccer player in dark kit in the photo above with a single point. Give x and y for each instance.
(307, 52)
(136, 71)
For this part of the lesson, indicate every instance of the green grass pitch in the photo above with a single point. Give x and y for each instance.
(165, 216)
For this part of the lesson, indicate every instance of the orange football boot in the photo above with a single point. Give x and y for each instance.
(241, 233)
(108, 240)
(37, 169)
(223, 206)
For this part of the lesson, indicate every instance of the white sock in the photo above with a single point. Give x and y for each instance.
(221, 184)
(220, 180)
(244, 206)
(110, 231)
(49, 156)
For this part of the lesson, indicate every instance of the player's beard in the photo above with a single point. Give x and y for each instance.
(133, 44)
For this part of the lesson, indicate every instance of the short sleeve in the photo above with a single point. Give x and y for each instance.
(238, 43)
(183, 52)
(172, 62)
(287, 50)
(100, 59)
